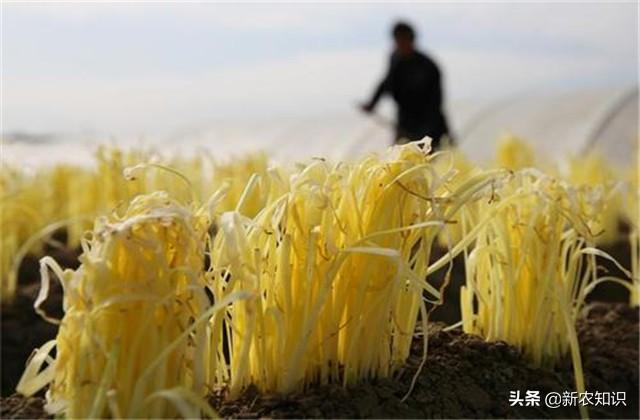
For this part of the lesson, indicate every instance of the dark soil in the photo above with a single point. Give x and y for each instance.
(449, 311)
(19, 407)
(621, 251)
(466, 377)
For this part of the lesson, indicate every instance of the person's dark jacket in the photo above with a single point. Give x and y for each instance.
(414, 82)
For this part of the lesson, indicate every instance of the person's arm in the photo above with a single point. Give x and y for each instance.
(383, 87)
(380, 90)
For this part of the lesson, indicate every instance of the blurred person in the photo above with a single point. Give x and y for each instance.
(414, 82)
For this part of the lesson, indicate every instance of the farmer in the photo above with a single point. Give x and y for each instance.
(414, 82)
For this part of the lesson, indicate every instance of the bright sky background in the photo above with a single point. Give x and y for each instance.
(158, 68)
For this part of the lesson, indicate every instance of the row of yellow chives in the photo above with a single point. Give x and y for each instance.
(33, 206)
(336, 262)
(319, 261)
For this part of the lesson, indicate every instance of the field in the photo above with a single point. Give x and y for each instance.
(408, 283)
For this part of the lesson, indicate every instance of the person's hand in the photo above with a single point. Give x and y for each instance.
(366, 108)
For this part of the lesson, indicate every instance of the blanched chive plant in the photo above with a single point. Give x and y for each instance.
(338, 260)
(134, 340)
(531, 267)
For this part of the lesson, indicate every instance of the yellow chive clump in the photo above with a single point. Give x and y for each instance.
(531, 267)
(338, 261)
(134, 339)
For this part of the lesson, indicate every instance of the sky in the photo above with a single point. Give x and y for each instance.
(149, 68)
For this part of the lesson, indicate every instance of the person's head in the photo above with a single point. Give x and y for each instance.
(404, 37)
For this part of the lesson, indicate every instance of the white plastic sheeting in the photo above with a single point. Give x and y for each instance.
(560, 125)
(557, 125)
